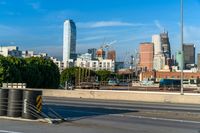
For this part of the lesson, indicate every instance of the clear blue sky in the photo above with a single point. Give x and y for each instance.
(37, 24)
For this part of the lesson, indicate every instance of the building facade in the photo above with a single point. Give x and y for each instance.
(189, 55)
(92, 51)
(165, 44)
(156, 40)
(111, 55)
(159, 58)
(69, 40)
(146, 54)
(28, 54)
(60, 64)
(101, 54)
(96, 65)
(179, 60)
(157, 76)
(198, 61)
(10, 51)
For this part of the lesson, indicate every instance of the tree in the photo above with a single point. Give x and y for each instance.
(68, 75)
(10, 70)
(74, 75)
(35, 72)
(103, 75)
(41, 73)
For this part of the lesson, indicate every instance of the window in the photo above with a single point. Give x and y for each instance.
(108, 64)
(104, 64)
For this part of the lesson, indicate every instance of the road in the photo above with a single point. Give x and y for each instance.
(99, 116)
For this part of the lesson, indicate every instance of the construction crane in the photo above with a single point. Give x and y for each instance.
(108, 45)
(108, 52)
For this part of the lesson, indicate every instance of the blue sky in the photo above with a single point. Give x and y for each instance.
(37, 24)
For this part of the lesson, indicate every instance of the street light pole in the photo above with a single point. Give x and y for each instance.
(182, 64)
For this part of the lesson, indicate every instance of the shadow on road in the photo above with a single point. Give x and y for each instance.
(76, 113)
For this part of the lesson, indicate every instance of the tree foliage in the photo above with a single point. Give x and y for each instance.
(103, 75)
(10, 69)
(73, 74)
(36, 72)
(68, 75)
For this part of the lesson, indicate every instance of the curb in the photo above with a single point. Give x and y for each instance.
(45, 120)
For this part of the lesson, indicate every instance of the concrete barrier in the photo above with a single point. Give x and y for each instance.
(126, 95)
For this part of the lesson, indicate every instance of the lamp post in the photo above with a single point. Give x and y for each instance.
(181, 40)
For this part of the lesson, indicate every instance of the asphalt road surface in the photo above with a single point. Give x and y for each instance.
(99, 116)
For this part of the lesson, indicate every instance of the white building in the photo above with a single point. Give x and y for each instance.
(60, 64)
(10, 51)
(28, 54)
(156, 40)
(85, 56)
(158, 62)
(159, 58)
(86, 62)
(69, 41)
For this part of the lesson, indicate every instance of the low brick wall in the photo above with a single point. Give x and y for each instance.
(126, 95)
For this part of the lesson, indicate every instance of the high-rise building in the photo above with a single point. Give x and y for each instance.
(100, 54)
(198, 61)
(189, 55)
(179, 59)
(165, 44)
(156, 40)
(92, 51)
(111, 55)
(159, 58)
(146, 53)
(69, 40)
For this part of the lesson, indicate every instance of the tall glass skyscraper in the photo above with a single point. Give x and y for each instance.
(69, 40)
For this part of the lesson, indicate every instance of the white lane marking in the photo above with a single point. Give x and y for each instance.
(155, 118)
(5, 131)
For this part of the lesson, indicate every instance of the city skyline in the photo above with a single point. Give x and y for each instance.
(38, 25)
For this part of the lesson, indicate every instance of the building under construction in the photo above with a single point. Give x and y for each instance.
(165, 44)
(100, 54)
(111, 55)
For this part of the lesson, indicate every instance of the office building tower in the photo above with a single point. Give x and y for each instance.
(189, 55)
(156, 40)
(159, 58)
(69, 40)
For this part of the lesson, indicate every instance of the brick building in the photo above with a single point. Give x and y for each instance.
(157, 76)
(146, 54)
(111, 55)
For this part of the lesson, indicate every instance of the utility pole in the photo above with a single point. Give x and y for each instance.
(182, 64)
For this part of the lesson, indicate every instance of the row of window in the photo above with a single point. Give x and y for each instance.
(176, 76)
